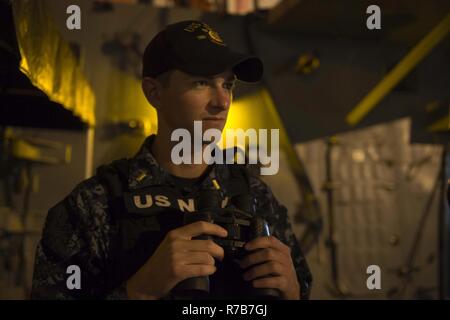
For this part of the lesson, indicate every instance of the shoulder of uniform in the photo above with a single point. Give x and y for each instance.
(114, 176)
(85, 195)
(89, 195)
(117, 167)
(73, 218)
(258, 185)
(265, 198)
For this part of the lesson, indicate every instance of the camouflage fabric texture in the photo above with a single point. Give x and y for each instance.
(78, 231)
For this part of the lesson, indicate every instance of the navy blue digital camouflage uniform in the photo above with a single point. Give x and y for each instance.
(81, 230)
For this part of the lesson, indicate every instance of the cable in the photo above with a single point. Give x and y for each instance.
(406, 271)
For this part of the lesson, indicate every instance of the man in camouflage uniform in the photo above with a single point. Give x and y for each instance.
(124, 227)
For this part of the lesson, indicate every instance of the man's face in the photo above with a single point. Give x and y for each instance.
(189, 98)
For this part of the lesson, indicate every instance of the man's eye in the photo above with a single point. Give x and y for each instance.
(201, 83)
(229, 86)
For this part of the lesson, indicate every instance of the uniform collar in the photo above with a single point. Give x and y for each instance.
(145, 171)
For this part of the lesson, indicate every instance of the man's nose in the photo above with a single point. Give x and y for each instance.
(221, 98)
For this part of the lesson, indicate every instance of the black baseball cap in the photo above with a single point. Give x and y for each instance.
(195, 48)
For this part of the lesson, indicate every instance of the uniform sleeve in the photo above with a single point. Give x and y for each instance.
(71, 237)
(277, 217)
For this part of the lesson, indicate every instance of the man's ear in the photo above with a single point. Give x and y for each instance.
(152, 91)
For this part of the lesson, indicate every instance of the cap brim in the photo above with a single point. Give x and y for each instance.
(247, 68)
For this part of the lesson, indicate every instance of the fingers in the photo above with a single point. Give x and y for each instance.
(289, 290)
(198, 228)
(207, 246)
(271, 268)
(268, 242)
(197, 258)
(264, 255)
(271, 282)
(182, 272)
(199, 270)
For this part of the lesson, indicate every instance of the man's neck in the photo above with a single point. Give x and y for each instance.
(161, 150)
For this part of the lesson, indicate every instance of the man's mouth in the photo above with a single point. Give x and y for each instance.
(214, 119)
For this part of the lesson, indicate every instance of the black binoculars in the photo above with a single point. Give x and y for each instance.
(242, 226)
